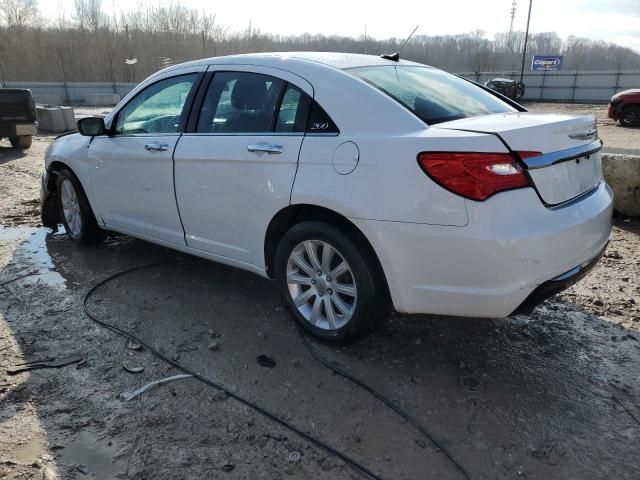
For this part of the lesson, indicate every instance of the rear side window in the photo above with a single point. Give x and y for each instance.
(294, 110)
(240, 102)
(433, 95)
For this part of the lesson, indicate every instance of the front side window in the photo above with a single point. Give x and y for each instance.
(157, 109)
(240, 102)
(433, 95)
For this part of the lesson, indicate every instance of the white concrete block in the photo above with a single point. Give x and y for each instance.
(69, 117)
(622, 173)
(50, 119)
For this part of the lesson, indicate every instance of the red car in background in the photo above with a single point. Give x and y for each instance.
(625, 107)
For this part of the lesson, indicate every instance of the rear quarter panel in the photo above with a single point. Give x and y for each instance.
(387, 184)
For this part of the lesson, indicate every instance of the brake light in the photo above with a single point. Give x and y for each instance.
(476, 176)
(524, 155)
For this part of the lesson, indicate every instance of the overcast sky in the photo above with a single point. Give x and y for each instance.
(612, 20)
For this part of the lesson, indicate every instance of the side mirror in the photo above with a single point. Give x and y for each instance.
(91, 126)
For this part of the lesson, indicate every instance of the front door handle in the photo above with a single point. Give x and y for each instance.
(156, 147)
(270, 148)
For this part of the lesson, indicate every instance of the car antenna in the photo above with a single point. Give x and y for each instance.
(396, 56)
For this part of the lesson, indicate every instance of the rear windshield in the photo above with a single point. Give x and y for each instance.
(433, 95)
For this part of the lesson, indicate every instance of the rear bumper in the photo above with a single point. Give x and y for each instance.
(557, 285)
(18, 129)
(512, 245)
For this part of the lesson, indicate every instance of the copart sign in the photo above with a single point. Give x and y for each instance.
(546, 62)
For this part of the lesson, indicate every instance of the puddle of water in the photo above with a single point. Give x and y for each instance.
(30, 451)
(93, 456)
(32, 254)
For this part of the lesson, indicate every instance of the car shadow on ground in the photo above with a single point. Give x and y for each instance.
(546, 396)
(629, 224)
(9, 154)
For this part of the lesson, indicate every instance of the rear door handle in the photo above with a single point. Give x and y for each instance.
(156, 147)
(270, 148)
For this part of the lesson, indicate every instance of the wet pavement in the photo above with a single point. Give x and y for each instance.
(553, 395)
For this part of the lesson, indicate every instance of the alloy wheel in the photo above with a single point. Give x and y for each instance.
(321, 285)
(71, 208)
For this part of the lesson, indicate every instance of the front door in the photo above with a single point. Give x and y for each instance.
(237, 170)
(132, 168)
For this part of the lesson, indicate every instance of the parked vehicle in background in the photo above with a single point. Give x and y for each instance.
(625, 108)
(17, 116)
(507, 87)
(360, 184)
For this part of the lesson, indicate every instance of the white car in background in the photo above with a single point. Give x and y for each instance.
(359, 183)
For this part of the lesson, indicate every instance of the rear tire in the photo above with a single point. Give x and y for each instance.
(630, 117)
(75, 211)
(330, 285)
(22, 141)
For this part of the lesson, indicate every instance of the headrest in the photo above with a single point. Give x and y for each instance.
(249, 93)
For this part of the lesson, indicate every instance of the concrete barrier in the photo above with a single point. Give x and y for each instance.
(47, 98)
(69, 118)
(99, 99)
(622, 173)
(50, 119)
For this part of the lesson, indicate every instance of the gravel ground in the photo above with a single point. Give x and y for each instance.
(552, 395)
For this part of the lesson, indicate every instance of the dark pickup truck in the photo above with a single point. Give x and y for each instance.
(18, 120)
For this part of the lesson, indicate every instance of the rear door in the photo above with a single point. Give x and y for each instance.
(132, 168)
(235, 170)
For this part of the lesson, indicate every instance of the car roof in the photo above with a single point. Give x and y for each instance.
(330, 59)
(341, 95)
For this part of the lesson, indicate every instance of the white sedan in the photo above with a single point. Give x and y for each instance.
(360, 184)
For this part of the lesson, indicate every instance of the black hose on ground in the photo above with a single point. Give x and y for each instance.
(410, 419)
(319, 443)
(344, 457)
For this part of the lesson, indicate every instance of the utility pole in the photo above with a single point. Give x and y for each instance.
(526, 39)
(365, 39)
(513, 15)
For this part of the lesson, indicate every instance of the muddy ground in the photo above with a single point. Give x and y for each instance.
(554, 395)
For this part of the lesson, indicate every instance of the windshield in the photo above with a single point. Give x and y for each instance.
(433, 95)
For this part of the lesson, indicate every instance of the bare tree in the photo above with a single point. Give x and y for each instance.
(19, 14)
(152, 35)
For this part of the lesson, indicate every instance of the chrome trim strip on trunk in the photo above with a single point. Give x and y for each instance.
(552, 158)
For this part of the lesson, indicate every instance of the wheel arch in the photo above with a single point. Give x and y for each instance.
(50, 215)
(53, 169)
(297, 213)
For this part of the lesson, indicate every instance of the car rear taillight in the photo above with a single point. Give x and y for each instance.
(473, 175)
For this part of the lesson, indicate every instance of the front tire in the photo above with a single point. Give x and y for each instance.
(630, 117)
(22, 141)
(75, 211)
(329, 283)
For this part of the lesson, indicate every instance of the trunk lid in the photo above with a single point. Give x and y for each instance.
(16, 105)
(568, 163)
